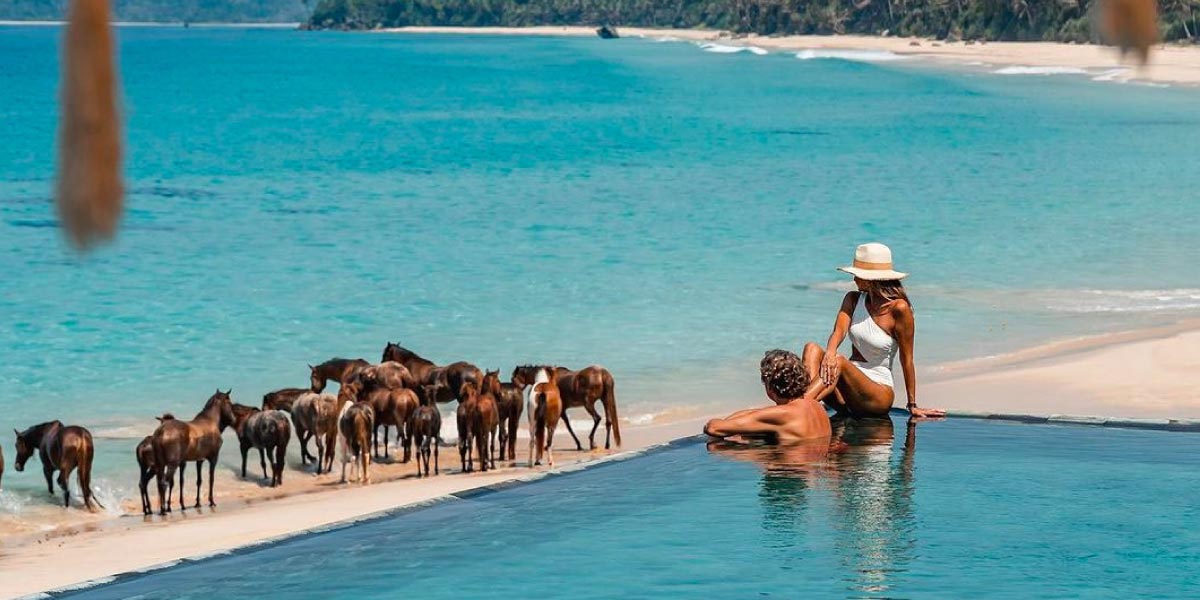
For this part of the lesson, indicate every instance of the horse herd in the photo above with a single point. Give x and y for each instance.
(402, 391)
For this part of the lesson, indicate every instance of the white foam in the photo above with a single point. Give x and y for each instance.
(1047, 70)
(1128, 301)
(851, 55)
(726, 49)
(667, 38)
(1112, 75)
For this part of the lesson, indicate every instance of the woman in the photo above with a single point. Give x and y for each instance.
(879, 321)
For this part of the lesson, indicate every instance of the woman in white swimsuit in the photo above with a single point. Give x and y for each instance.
(879, 321)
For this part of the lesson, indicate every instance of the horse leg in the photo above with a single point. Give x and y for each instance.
(578, 446)
(199, 478)
(182, 484)
(320, 458)
(513, 425)
(244, 448)
(302, 435)
(365, 457)
(212, 470)
(85, 483)
(62, 483)
(48, 471)
(262, 460)
(591, 409)
(161, 475)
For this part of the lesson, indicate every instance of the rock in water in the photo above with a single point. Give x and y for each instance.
(607, 33)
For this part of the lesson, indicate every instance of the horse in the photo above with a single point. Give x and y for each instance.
(465, 418)
(355, 424)
(425, 428)
(61, 448)
(177, 442)
(543, 406)
(282, 399)
(450, 377)
(145, 460)
(267, 430)
(313, 415)
(584, 388)
(389, 374)
(484, 420)
(509, 404)
(392, 409)
(337, 369)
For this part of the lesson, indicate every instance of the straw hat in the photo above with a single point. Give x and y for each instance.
(873, 262)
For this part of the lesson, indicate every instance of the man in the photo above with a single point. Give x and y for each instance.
(793, 419)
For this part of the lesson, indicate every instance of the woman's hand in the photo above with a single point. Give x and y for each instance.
(831, 368)
(926, 413)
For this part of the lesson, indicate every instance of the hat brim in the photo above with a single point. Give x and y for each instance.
(874, 274)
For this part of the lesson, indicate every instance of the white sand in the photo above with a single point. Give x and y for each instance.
(1168, 64)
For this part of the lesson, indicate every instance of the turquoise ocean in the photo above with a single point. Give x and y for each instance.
(665, 211)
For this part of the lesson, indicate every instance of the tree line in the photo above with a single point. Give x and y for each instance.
(1024, 20)
(197, 11)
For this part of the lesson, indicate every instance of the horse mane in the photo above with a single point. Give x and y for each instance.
(405, 353)
(38, 430)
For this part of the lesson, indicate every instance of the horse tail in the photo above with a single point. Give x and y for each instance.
(85, 474)
(610, 406)
(540, 411)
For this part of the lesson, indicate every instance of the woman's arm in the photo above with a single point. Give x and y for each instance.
(904, 331)
(830, 366)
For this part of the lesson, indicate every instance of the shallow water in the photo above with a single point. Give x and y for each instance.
(648, 206)
(955, 509)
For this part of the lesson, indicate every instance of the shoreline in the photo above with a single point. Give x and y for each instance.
(1067, 381)
(1169, 64)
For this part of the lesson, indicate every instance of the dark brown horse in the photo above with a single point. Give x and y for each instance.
(425, 427)
(267, 430)
(465, 419)
(509, 404)
(392, 409)
(449, 378)
(584, 388)
(337, 369)
(61, 448)
(178, 442)
(355, 424)
(282, 399)
(145, 460)
(388, 374)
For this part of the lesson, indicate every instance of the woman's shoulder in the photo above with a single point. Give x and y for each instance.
(900, 307)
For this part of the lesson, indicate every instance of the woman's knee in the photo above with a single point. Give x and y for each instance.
(812, 349)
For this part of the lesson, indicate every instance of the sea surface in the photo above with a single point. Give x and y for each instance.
(666, 210)
(958, 509)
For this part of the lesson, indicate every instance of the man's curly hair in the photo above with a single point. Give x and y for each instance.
(783, 373)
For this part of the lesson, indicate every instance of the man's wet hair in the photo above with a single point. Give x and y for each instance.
(784, 374)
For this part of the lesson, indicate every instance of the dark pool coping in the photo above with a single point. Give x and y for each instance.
(1172, 425)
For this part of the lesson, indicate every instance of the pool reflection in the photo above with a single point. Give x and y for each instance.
(867, 485)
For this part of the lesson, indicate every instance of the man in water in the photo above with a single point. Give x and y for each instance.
(793, 419)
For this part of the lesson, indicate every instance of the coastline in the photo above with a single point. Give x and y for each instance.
(1089, 379)
(1169, 64)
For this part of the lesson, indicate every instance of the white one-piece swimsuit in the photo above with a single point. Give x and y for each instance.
(877, 347)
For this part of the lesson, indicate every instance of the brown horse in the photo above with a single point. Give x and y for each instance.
(450, 378)
(337, 369)
(313, 415)
(465, 419)
(355, 424)
(392, 409)
(484, 424)
(282, 399)
(510, 404)
(584, 388)
(178, 442)
(145, 460)
(543, 407)
(61, 448)
(425, 427)
(388, 374)
(267, 430)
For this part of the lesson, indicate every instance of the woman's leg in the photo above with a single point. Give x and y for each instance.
(852, 393)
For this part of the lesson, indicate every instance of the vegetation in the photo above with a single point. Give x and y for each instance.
(224, 11)
(1051, 20)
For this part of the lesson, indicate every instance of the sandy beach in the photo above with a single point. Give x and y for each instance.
(1169, 64)
(1146, 374)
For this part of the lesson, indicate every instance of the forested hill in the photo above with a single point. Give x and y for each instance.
(198, 11)
(1056, 20)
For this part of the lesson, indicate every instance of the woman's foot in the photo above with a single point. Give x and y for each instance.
(926, 413)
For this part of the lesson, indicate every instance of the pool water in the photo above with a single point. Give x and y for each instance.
(955, 509)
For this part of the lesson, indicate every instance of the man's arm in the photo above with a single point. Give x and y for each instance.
(756, 422)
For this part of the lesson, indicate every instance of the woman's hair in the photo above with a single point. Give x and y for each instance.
(784, 374)
(888, 290)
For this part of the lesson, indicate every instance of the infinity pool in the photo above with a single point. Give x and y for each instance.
(955, 509)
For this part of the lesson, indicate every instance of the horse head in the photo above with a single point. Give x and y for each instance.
(24, 451)
(223, 404)
(468, 391)
(491, 382)
(241, 412)
(316, 380)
